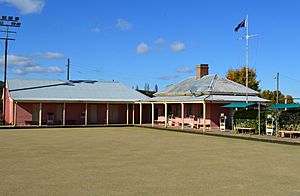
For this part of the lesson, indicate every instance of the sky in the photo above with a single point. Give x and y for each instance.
(153, 41)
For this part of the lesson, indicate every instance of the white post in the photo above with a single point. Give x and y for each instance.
(64, 115)
(15, 113)
(285, 102)
(133, 114)
(141, 114)
(182, 115)
(152, 114)
(86, 115)
(107, 114)
(166, 115)
(258, 118)
(247, 57)
(40, 115)
(127, 114)
(204, 116)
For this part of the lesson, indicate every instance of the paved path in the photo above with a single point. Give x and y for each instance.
(232, 134)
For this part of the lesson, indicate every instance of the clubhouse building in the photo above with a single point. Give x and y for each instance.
(195, 102)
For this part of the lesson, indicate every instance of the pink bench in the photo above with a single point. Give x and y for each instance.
(160, 119)
(200, 123)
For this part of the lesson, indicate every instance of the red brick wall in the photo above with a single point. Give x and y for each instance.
(102, 113)
(122, 113)
(147, 112)
(73, 113)
(136, 113)
(50, 108)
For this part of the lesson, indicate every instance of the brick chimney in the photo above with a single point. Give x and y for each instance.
(201, 70)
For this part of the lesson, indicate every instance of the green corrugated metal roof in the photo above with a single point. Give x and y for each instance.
(238, 105)
(282, 106)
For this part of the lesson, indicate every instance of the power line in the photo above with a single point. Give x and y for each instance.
(288, 77)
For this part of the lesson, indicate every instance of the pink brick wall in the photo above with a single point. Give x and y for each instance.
(24, 113)
(9, 106)
(214, 111)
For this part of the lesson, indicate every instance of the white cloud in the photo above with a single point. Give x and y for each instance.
(26, 6)
(123, 24)
(142, 48)
(96, 30)
(49, 55)
(36, 69)
(159, 41)
(177, 46)
(23, 64)
(16, 60)
(169, 77)
(185, 70)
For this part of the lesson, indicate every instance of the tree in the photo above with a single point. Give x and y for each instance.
(271, 95)
(156, 88)
(239, 76)
(147, 87)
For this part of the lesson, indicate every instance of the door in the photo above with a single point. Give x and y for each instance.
(113, 114)
(93, 114)
(59, 114)
(35, 113)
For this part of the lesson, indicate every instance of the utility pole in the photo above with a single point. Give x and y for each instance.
(7, 22)
(277, 91)
(277, 100)
(68, 69)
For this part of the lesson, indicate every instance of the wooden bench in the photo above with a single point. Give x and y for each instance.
(292, 134)
(248, 129)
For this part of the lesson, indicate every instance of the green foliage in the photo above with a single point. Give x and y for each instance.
(290, 120)
(249, 119)
(287, 120)
(271, 95)
(246, 123)
(239, 76)
(245, 114)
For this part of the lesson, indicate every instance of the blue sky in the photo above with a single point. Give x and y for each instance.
(153, 41)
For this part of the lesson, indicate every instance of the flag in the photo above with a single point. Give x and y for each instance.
(242, 24)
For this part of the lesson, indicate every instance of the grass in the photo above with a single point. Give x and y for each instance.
(141, 161)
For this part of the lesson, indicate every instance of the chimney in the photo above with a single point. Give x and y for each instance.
(201, 70)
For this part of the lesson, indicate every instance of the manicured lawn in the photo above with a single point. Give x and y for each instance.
(141, 161)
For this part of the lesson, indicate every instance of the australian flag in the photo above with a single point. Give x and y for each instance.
(242, 24)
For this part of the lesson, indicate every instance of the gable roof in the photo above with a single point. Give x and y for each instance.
(209, 84)
(73, 90)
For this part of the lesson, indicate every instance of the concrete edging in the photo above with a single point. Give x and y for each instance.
(274, 141)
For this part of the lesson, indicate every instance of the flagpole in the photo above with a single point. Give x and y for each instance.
(247, 57)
